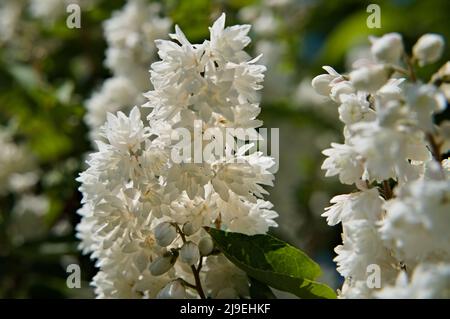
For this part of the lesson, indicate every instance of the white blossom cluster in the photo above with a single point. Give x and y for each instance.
(18, 169)
(130, 34)
(398, 219)
(143, 214)
(18, 175)
(10, 12)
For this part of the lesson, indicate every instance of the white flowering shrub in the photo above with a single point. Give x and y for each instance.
(18, 176)
(146, 215)
(398, 218)
(130, 34)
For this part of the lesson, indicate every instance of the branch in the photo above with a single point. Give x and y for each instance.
(195, 271)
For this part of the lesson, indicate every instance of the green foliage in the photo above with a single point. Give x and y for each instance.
(259, 290)
(273, 262)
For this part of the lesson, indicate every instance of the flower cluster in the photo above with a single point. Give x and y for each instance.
(18, 176)
(144, 213)
(399, 217)
(130, 34)
(18, 171)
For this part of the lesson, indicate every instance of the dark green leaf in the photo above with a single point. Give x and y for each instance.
(259, 290)
(273, 262)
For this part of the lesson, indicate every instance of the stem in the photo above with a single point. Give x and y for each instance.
(198, 283)
(435, 147)
(218, 221)
(195, 271)
(401, 70)
(188, 284)
(387, 190)
(409, 63)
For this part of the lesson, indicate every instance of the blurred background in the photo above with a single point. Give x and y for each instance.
(52, 77)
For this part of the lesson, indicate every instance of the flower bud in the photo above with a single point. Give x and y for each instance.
(369, 78)
(388, 48)
(344, 87)
(173, 290)
(189, 253)
(206, 246)
(165, 233)
(428, 49)
(163, 264)
(321, 84)
(191, 228)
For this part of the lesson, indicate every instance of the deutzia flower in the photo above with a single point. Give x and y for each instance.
(429, 281)
(416, 223)
(18, 175)
(398, 221)
(224, 280)
(18, 169)
(130, 34)
(148, 193)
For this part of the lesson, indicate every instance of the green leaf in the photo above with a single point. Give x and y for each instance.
(259, 290)
(273, 262)
(25, 75)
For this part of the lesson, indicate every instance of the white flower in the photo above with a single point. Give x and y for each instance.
(425, 100)
(428, 281)
(355, 289)
(353, 109)
(342, 88)
(388, 48)
(344, 161)
(116, 94)
(125, 133)
(369, 78)
(27, 221)
(18, 168)
(385, 151)
(243, 216)
(428, 49)
(446, 166)
(224, 280)
(416, 222)
(130, 34)
(10, 15)
(361, 247)
(322, 83)
(228, 43)
(364, 205)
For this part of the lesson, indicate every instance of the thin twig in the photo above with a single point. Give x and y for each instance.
(198, 283)
(435, 147)
(387, 190)
(410, 63)
(195, 271)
